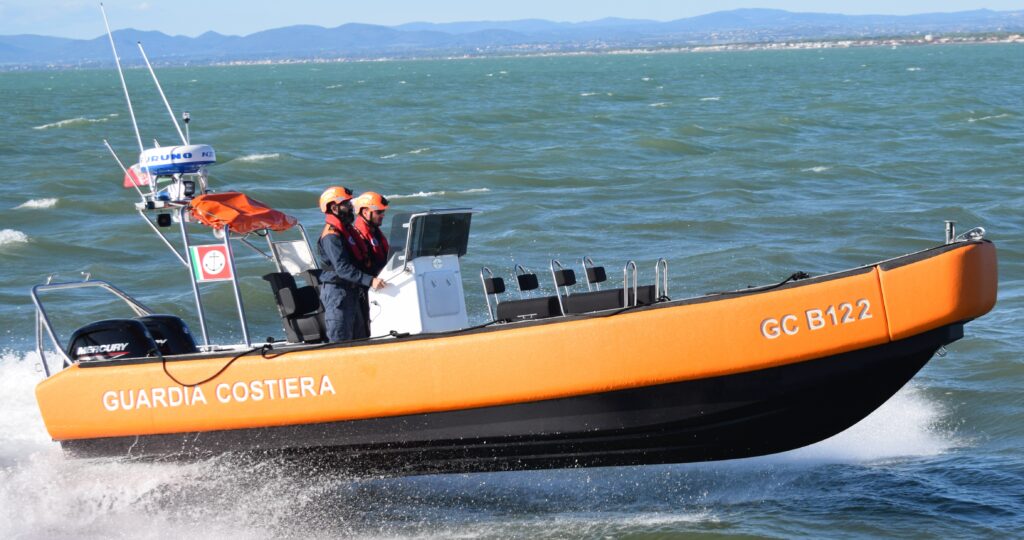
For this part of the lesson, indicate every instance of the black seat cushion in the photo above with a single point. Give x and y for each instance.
(531, 308)
(299, 307)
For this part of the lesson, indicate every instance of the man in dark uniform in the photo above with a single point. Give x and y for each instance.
(345, 270)
(370, 208)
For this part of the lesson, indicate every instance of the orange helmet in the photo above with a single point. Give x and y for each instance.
(371, 200)
(334, 194)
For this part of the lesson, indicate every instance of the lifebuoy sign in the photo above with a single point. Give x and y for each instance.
(210, 263)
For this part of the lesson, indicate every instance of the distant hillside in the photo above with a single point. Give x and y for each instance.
(357, 41)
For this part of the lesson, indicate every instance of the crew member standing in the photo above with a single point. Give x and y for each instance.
(370, 208)
(343, 260)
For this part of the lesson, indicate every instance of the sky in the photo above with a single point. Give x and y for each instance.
(82, 19)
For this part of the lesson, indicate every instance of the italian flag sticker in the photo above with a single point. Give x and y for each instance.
(210, 263)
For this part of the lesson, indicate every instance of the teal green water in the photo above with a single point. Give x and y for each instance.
(739, 168)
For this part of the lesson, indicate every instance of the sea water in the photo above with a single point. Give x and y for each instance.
(739, 168)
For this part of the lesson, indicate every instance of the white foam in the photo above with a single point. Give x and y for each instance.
(420, 194)
(587, 94)
(259, 157)
(389, 156)
(659, 104)
(417, 195)
(38, 203)
(818, 169)
(711, 98)
(71, 122)
(993, 117)
(419, 150)
(908, 425)
(645, 79)
(913, 69)
(21, 425)
(333, 86)
(11, 236)
(45, 494)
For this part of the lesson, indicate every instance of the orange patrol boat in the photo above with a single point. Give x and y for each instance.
(614, 376)
(644, 380)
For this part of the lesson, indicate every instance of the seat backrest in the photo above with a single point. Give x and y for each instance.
(299, 307)
(312, 277)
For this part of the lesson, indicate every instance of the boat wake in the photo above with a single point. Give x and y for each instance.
(41, 490)
(908, 425)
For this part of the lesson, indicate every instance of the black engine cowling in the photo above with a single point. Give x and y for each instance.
(170, 333)
(131, 338)
(110, 339)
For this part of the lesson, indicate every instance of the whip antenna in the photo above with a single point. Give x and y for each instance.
(174, 120)
(124, 86)
(123, 168)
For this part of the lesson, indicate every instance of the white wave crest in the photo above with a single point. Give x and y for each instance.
(992, 117)
(818, 169)
(71, 122)
(333, 86)
(587, 94)
(11, 236)
(421, 194)
(417, 195)
(711, 98)
(913, 69)
(259, 157)
(38, 203)
(659, 104)
(389, 156)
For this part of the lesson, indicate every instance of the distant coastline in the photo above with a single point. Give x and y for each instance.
(735, 30)
(909, 41)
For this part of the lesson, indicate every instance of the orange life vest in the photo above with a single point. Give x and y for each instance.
(375, 243)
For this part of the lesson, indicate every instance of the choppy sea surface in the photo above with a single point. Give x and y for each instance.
(740, 168)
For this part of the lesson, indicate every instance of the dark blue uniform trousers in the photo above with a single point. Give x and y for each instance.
(342, 312)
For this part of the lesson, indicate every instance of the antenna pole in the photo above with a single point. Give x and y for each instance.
(174, 120)
(123, 168)
(124, 86)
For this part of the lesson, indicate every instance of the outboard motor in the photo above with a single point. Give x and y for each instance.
(170, 333)
(110, 339)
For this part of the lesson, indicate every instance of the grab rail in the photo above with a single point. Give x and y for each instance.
(625, 283)
(43, 320)
(487, 293)
(554, 277)
(660, 280)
